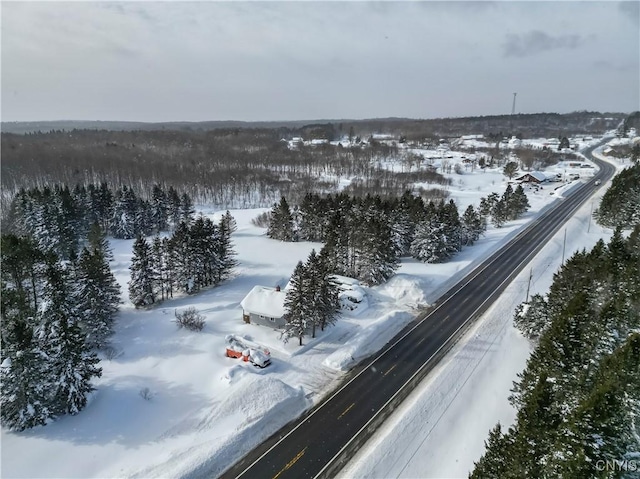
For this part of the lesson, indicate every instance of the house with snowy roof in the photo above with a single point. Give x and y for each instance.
(533, 177)
(264, 306)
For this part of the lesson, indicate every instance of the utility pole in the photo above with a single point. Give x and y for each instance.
(564, 245)
(513, 111)
(590, 215)
(526, 300)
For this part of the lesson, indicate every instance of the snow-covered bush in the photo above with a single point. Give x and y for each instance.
(262, 220)
(111, 352)
(190, 319)
(146, 394)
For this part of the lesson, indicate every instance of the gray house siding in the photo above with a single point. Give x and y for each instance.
(253, 318)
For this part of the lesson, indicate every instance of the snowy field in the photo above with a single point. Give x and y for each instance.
(169, 403)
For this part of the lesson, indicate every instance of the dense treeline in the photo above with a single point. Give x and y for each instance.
(530, 125)
(229, 168)
(620, 205)
(365, 236)
(54, 314)
(196, 255)
(57, 218)
(578, 399)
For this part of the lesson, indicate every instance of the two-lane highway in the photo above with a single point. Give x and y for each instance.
(321, 442)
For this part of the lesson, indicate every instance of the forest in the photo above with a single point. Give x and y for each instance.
(365, 237)
(242, 165)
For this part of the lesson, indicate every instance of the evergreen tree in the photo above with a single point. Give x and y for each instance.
(296, 305)
(620, 205)
(224, 248)
(70, 226)
(532, 318)
(168, 272)
(311, 214)
(321, 293)
(97, 241)
(450, 218)
(69, 364)
(564, 143)
(496, 461)
(143, 223)
(99, 296)
(517, 203)
(203, 246)
(103, 205)
(229, 222)
(123, 216)
(174, 206)
(281, 222)
(187, 211)
(486, 205)
(159, 259)
(327, 304)
(473, 226)
(510, 169)
(430, 242)
(182, 259)
(499, 213)
(336, 249)
(24, 390)
(21, 272)
(159, 209)
(374, 255)
(537, 425)
(141, 286)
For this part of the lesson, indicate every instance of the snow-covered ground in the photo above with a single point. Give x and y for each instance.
(169, 403)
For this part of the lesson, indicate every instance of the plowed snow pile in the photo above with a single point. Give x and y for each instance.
(244, 419)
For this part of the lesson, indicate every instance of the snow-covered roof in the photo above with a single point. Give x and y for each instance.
(265, 301)
(538, 175)
(344, 279)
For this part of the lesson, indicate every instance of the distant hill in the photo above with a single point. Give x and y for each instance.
(535, 124)
(21, 127)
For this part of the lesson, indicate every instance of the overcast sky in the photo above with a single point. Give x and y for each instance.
(171, 61)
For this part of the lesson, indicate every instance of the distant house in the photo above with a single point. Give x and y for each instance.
(295, 143)
(515, 142)
(264, 306)
(533, 177)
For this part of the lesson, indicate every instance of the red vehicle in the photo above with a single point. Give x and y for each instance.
(248, 351)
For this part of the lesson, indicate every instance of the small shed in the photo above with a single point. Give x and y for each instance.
(532, 177)
(264, 306)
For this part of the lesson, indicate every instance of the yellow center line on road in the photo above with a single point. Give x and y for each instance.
(346, 410)
(390, 369)
(291, 462)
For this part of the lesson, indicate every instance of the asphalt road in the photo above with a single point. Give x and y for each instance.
(323, 440)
